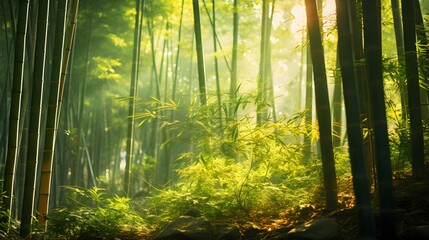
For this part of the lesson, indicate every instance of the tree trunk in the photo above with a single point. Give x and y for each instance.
(15, 120)
(397, 24)
(216, 65)
(271, 100)
(423, 58)
(233, 84)
(261, 99)
(322, 105)
(176, 66)
(373, 53)
(308, 104)
(132, 98)
(412, 72)
(354, 128)
(53, 113)
(31, 170)
(337, 107)
(362, 85)
(200, 53)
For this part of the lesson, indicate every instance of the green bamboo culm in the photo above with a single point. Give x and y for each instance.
(413, 87)
(53, 113)
(261, 99)
(362, 88)
(15, 120)
(423, 59)
(35, 118)
(399, 41)
(233, 84)
(176, 65)
(308, 106)
(132, 98)
(354, 129)
(322, 105)
(373, 54)
(200, 53)
(216, 65)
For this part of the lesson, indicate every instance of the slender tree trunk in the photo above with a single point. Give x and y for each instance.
(164, 61)
(176, 66)
(268, 66)
(216, 66)
(31, 170)
(163, 163)
(397, 24)
(53, 113)
(78, 94)
(373, 53)
(64, 165)
(15, 120)
(354, 128)
(308, 107)
(20, 171)
(152, 137)
(132, 99)
(200, 53)
(261, 99)
(322, 105)
(80, 101)
(423, 58)
(337, 107)
(8, 31)
(396, 13)
(362, 85)
(301, 68)
(414, 108)
(233, 84)
(156, 137)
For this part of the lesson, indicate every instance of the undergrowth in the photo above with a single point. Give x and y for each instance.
(236, 171)
(88, 214)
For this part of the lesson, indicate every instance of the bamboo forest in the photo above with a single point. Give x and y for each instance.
(214, 119)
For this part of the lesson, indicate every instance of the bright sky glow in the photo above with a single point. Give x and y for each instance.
(329, 7)
(299, 15)
(299, 18)
(277, 19)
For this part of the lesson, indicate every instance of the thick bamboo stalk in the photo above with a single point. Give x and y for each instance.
(233, 84)
(322, 105)
(200, 53)
(261, 99)
(16, 101)
(413, 86)
(176, 63)
(53, 113)
(373, 55)
(132, 100)
(354, 128)
(31, 169)
(216, 65)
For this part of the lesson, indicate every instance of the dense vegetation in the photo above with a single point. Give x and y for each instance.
(124, 115)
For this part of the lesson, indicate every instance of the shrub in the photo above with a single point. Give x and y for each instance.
(90, 215)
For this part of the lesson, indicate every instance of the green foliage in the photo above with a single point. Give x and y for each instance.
(8, 229)
(241, 170)
(400, 147)
(399, 134)
(90, 215)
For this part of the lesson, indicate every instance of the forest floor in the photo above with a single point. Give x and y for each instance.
(412, 207)
(412, 210)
